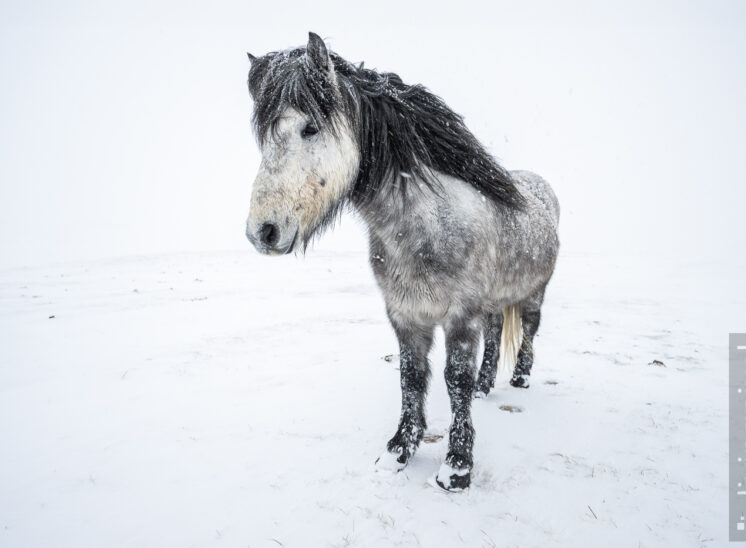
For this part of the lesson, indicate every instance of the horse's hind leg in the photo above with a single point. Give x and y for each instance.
(414, 345)
(530, 319)
(492, 330)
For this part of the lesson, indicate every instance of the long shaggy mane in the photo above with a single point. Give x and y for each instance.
(403, 131)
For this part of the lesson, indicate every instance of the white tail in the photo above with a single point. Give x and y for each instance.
(511, 337)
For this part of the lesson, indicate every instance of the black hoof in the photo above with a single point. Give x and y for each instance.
(455, 482)
(454, 473)
(392, 461)
(482, 388)
(520, 381)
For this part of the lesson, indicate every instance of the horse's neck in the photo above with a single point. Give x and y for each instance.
(421, 214)
(393, 213)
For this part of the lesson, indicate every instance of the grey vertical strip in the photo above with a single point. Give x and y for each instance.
(737, 435)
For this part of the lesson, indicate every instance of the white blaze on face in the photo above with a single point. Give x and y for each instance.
(300, 180)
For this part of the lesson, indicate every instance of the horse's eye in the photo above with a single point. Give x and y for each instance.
(308, 131)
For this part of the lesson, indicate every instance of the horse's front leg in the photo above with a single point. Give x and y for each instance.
(414, 345)
(462, 340)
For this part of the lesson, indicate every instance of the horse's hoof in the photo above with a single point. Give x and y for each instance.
(520, 381)
(391, 461)
(453, 479)
(480, 395)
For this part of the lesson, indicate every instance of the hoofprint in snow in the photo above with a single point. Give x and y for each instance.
(229, 400)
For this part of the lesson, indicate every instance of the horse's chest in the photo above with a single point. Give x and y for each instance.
(415, 279)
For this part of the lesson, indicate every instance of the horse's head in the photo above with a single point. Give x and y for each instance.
(310, 156)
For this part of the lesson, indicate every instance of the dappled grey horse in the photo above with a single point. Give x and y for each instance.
(455, 240)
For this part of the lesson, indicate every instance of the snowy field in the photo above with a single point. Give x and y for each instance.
(178, 399)
(229, 399)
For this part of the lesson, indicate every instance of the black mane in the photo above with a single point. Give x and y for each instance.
(403, 131)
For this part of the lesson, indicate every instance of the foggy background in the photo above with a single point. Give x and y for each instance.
(125, 130)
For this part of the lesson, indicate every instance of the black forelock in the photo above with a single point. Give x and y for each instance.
(403, 131)
(285, 79)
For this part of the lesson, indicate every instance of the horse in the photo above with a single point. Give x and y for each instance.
(456, 240)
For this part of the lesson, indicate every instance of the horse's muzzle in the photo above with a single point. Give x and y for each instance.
(270, 240)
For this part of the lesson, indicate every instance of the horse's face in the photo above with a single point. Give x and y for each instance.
(304, 173)
(306, 170)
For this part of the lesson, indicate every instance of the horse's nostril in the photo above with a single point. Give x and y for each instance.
(269, 234)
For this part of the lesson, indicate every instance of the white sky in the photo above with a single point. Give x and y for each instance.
(125, 130)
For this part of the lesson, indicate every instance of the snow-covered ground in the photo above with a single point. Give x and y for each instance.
(229, 399)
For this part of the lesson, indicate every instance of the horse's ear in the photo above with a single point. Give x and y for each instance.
(252, 58)
(317, 53)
